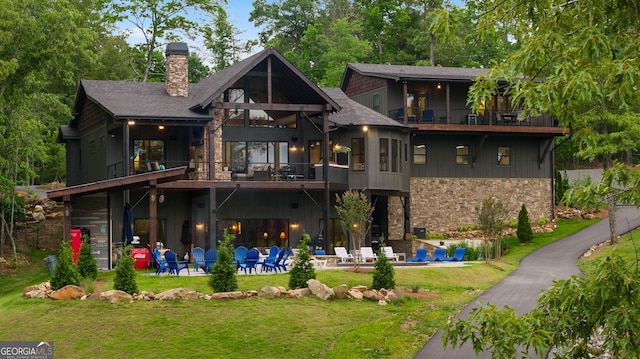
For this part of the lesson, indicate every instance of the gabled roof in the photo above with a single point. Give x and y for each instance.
(354, 113)
(400, 72)
(139, 100)
(294, 85)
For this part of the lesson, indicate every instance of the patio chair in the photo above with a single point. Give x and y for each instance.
(271, 257)
(276, 264)
(366, 254)
(388, 252)
(421, 256)
(343, 254)
(159, 262)
(438, 256)
(427, 116)
(175, 266)
(240, 254)
(283, 263)
(253, 255)
(210, 258)
(320, 252)
(458, 255)
(197, 254)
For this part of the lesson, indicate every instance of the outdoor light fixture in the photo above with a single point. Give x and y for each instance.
(131, 122)
(439, 86)
(265, 235)
(161, 197)
(282, 235)
(365, 128)
(160, 127)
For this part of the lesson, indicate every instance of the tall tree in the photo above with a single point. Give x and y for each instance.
(221, 41)
(355, 212)
(587, 54)
(163, 20)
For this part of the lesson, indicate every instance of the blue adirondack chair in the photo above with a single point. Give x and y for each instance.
(253, 255)
(271, 258)
(283, 263)
(240, 254)
(175, 266)
(159, 262)
(275, 265)
(210, 258)
(421, 256)
(198, 258)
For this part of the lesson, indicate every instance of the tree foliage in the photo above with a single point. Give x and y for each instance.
(125, 278)
(491, 216)
(524, 232)
(302, 269)
(355, 212)
(162, 20)
(383, 273)
(223, 273)
(569, 318)
(66, 272)
(87, 265)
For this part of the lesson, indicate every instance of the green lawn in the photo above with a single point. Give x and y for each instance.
(277, 328)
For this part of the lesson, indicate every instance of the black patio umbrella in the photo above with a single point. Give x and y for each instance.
(127, 222)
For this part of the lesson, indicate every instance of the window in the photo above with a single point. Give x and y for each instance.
(357, 153)
(395, 156)
(241, 156)
(147, 151)
(376, 102)
(420, 154)
(504, 156)
(462, 155)
(236, 116)
(384, 154)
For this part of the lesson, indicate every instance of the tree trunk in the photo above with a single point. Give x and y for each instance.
(432, 55)
(611, 206)
(13, 242)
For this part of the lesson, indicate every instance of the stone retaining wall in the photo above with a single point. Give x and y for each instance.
(443, 204)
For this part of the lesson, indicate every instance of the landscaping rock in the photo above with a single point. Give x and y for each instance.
(354, 294)
(269, 292)
(372, 295)
(360, 288)
(114, 296)
(251, 294)
(300, 292)
(320, 290)
(341, 291)
(382, 302)
(389, 295)
(178, 294)
(228, 295)
(39, 291)
(68, 292)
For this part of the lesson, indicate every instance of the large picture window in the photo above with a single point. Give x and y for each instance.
(240, 156)
(462, 155)
(147, 151)
(357, 153)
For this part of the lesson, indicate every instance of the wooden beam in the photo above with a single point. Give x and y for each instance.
(270, 106)
(153, 214)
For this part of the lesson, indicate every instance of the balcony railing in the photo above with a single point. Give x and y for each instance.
(464, 116)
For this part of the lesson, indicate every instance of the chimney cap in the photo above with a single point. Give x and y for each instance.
(177, 48)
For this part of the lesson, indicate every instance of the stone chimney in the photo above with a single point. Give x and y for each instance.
(177, 69)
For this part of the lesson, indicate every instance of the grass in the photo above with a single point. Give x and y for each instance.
(278, 328)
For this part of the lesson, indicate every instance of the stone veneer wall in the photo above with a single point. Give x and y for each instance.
(443, 204)
(177, 78)
(218, 117)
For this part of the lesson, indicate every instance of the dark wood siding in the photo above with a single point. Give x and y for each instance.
(359, 84)
(441, 157)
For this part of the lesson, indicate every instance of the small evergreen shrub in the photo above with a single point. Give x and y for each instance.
(302, 269)
(513, 223)
(125, 278)
(223, 273)
(87, 265)
(524, 232)
(66, 272)
(383, 275)
(542, 221)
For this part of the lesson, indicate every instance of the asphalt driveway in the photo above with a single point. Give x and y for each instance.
(520, 289)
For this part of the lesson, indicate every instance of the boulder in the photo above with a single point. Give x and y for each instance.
(382, 302)
(178, 294)
(44, 287)
(360, 288)
(114, 296)
(320, 290)
(341, 291)
(251, 294)
(269, 292)
(389, 295)
(228, 295)
(372, 295)
(354, 294)
(68, 292)
(300, 292)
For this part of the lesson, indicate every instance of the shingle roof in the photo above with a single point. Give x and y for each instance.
(354, 113)
(399, 72)
(139, 100)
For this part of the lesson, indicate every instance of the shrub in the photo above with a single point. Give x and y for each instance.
(302, 269)
(513, 223)
(383, 276)
(125, 278)
(542, 221)
(435, 235)
(87, 265)
(223, 273)
(66, 272)
(561, 185)
(524, 232)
